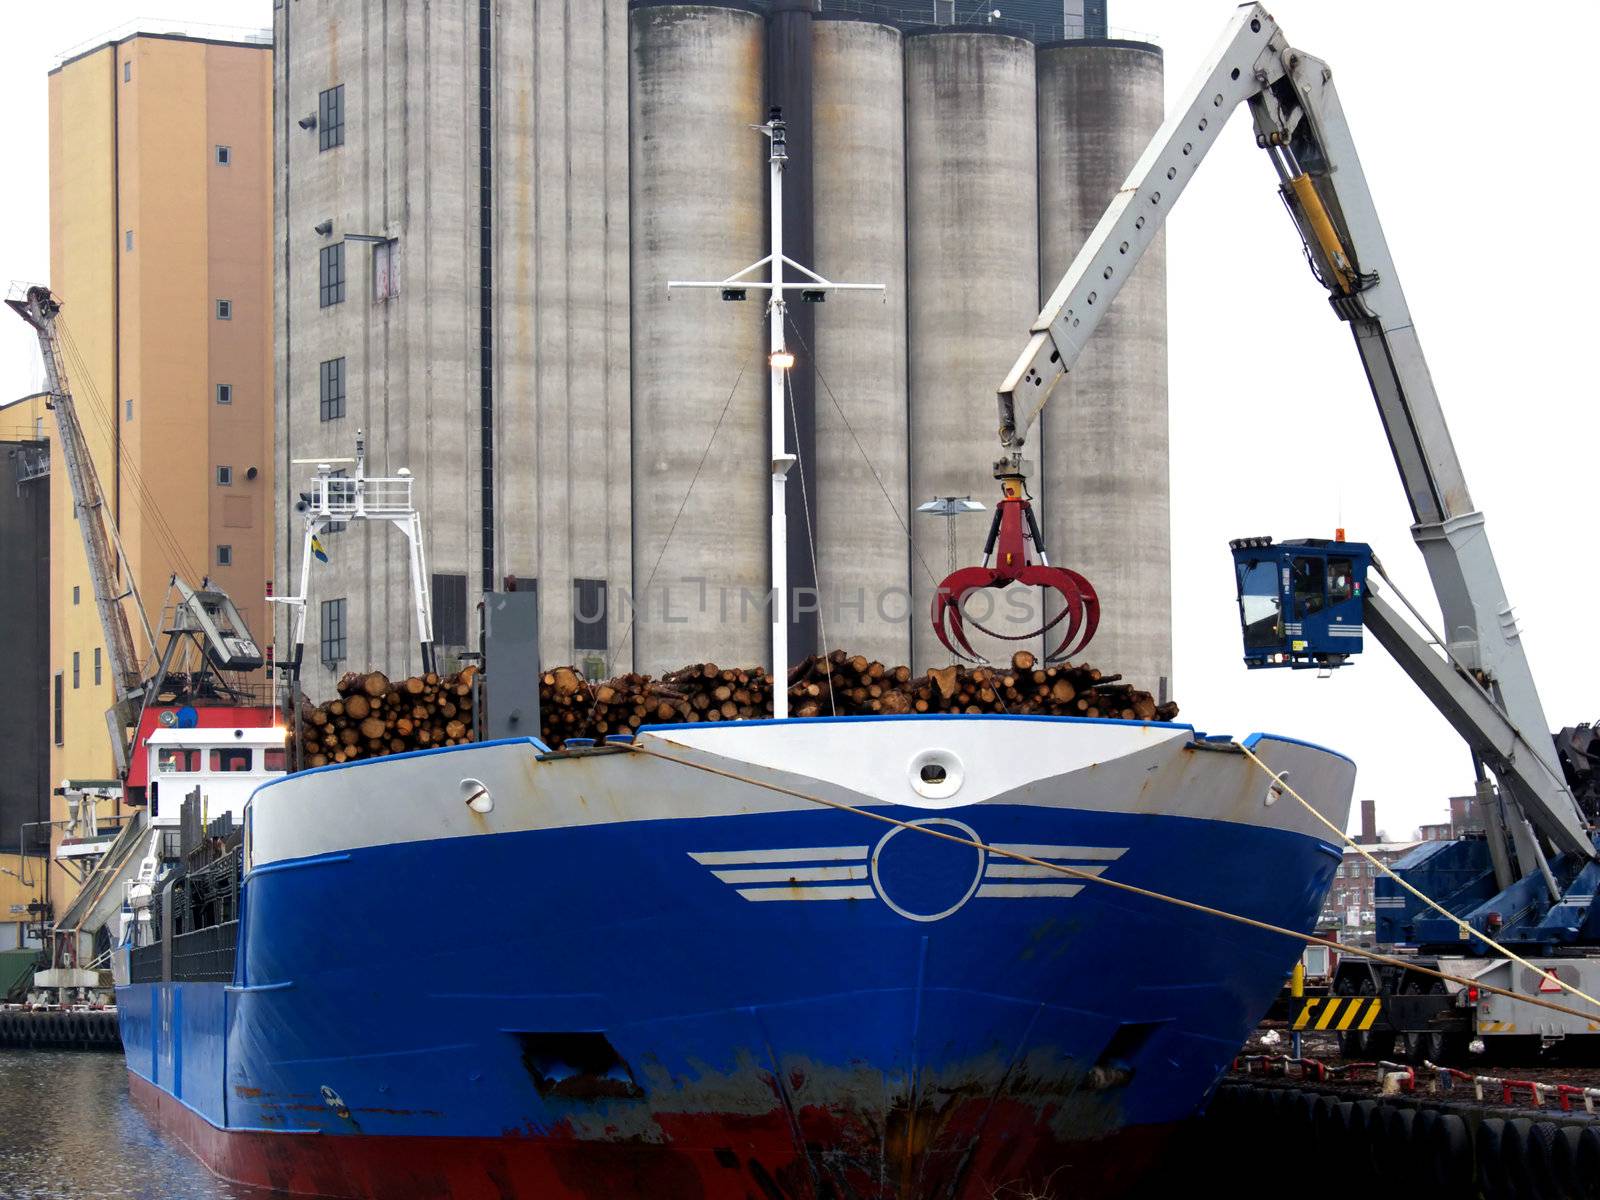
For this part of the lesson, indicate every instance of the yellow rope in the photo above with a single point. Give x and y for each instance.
(1467, 931)
(1087, 877)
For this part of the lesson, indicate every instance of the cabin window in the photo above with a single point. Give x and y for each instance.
(274, 758)
(176, 760)
(1341, 574)
(1258, 600)
(1307, 587)
(231, 758)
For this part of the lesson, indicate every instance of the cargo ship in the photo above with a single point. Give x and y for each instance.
(698, 964)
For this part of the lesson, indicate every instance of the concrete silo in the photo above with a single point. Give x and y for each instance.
(860, 231)
(973, 291)
(698, 212)
(1104, 441)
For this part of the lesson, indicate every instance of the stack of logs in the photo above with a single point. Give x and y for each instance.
(836, 684)
(374, 716)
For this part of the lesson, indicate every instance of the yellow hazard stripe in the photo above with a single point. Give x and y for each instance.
(1358, 1012)
(1328, 1012)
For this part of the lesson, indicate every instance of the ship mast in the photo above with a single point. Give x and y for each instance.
(780, 359)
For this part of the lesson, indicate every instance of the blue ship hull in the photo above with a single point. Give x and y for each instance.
(613, 1009)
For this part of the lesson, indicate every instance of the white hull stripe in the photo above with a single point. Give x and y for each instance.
(791, 874)
(1009, 870)
(1027, 891)
(854, 892)
(728, 858)
(1064, 853)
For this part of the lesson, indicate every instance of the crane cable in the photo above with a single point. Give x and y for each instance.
(1128, 888)
(1467, 931)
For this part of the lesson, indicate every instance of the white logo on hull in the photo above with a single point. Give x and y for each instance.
(804, 873)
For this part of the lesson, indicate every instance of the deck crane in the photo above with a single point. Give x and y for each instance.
(1478, 677)
(203, 630)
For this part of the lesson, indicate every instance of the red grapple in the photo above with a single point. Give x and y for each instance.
(1009, 534)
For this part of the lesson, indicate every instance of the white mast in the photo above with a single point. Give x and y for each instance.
(779, 359)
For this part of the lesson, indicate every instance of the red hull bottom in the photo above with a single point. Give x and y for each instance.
(710, 1157)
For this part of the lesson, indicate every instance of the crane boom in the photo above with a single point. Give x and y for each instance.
(1483, 684)
(109, 572)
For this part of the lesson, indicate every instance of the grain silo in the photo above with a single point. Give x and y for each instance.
(1104, 441)
(860, 234)
(698, 212)
(973, 288)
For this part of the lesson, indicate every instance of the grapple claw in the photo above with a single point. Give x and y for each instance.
(1080, 606)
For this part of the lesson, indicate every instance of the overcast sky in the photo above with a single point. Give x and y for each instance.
(1475, 137)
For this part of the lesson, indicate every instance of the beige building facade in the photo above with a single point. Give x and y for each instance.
(160, 252)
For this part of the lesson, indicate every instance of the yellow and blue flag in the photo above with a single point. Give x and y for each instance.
(316, 548)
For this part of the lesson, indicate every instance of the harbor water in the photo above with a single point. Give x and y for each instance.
(68, 1131)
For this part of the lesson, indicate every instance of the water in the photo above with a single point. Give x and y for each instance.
(68, 1131)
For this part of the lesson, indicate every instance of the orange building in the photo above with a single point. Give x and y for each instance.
(161, 254)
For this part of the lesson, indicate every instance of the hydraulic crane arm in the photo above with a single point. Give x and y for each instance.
(108, 566)
(1483, 684)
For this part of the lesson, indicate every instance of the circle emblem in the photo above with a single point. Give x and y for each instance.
(924, 878)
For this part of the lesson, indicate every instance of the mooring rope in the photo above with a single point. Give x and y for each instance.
(1129, 888)
(1467, 931)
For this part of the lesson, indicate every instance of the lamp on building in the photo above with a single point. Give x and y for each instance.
(322, 228)
(309, 122)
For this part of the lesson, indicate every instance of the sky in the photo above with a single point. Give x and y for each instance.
(1481, 174)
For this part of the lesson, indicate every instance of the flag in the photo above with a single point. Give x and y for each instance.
(316, 548)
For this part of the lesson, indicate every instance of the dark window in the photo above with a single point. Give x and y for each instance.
(224, 393)
(224, 155)
(97, 666)
(274, 758)
(1340, 579)
(60, 698)
(330, 118)
(1307, 576)
(224, 310)
(127, 239)
(128, 406)
(224, 556)
(74, 593)
(589, 614)
(75, 679)
(450, 610)
(127, 72)
(332, 274)
(231, 758)
(333, 631)
(331, 389)
(224, 476)
(341, 498)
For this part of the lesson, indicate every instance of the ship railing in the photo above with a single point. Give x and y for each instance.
(380, 497)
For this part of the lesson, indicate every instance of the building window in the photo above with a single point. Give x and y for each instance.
(127, 409)
(224, 310)
(60, 705)
(332, 274)
(224, 476)
(75, 594)
(97, 666)
(589, 614)
(75, 678)
(333, 631)
(331, 389)
(330, 118)
(386, 270)
(127, 71)
(127, 239)
(450, 610)
(224, 393)
(224, 155)
(224, 556)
